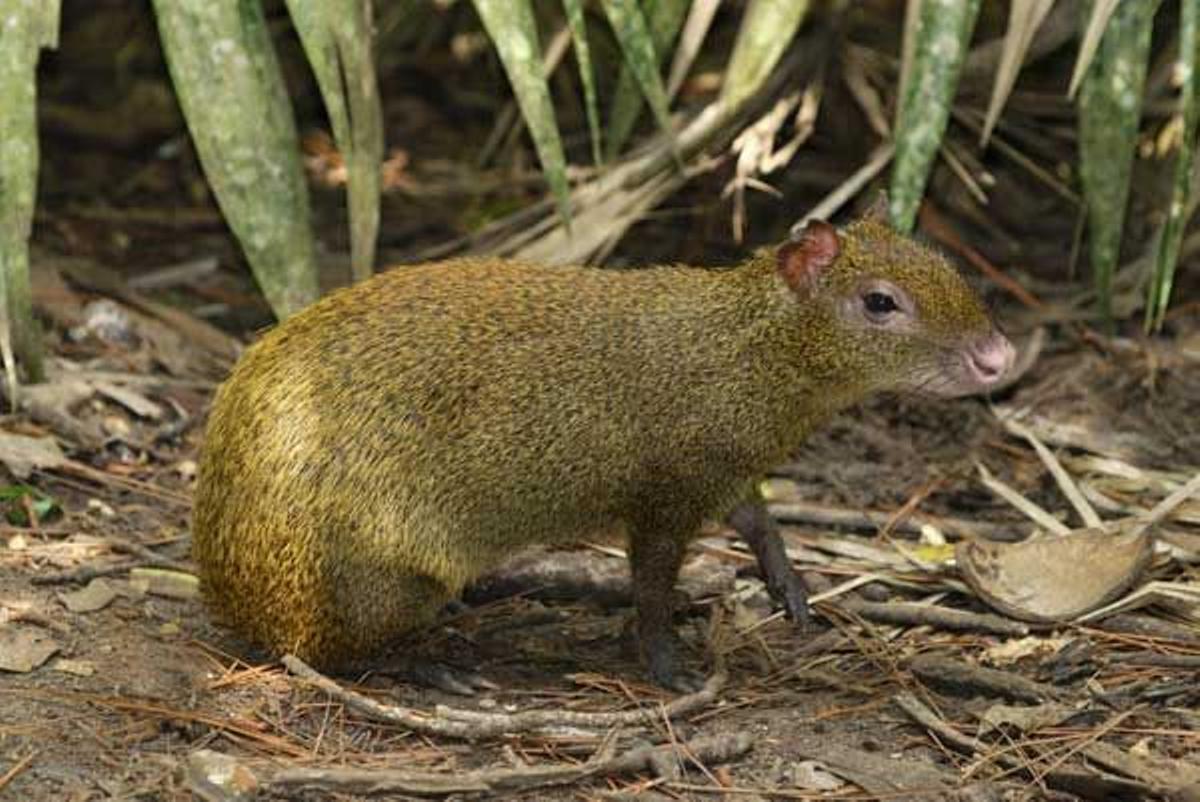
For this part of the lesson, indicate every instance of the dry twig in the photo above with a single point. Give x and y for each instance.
(474, 724)
(1089, 785)
(16, 769)
(965, 678)
(945, 618)
(715, 749)
(805, 512)
(86, 573)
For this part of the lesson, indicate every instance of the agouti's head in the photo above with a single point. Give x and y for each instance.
(894, 314)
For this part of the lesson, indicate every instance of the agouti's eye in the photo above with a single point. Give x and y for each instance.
(879, 304)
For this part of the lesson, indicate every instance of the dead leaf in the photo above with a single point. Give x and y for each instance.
(1024, 17)
(1055, 579)
(23, 455)
(1014, 649)
(51, 403)
(1024, 718)
(22, 650)
(133, 401)
(98, 594)
(812, 776)
(877, 774)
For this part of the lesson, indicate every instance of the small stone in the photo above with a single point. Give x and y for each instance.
(80, 668)
(18, 543)
(106, 321)
(212, 775)
(100, 508)
(115, 426)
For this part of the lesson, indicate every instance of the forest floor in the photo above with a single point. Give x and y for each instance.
(914, 683)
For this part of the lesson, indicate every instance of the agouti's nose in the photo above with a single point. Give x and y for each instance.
(991, 357)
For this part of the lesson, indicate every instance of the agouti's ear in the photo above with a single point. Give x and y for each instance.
(800, 262)
(878, 210)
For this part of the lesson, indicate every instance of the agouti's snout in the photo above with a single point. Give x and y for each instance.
(990, 358)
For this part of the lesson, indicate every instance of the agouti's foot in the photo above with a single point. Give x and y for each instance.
(665, 669)
(453, 609)
(794, 597)
(445, 678)
(661, 655)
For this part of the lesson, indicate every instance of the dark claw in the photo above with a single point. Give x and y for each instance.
(795, 601)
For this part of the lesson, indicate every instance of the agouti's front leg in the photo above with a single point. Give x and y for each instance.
(655, 558)
(755, 526)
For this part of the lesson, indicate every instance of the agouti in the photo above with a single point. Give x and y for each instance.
(375, 452)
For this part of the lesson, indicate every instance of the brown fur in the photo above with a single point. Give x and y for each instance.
(377, 451)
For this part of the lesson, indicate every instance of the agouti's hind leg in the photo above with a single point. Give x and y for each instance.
(404, 607)
(655, 560)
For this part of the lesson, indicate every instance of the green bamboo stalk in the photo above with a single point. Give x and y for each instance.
(1110, 105)
(587, 75)
(767, 28)
(634, 35)
(337, 38)
(511, 26)
(232, 94)
(664, 18)
(942, 35)
(26, 26)
(1166, 259)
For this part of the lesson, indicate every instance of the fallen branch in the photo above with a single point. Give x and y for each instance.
(804, 512)
(1147, 658)
(945, 618)
(715, 749)
(83, 574)
(961, 679)
(474, 724)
